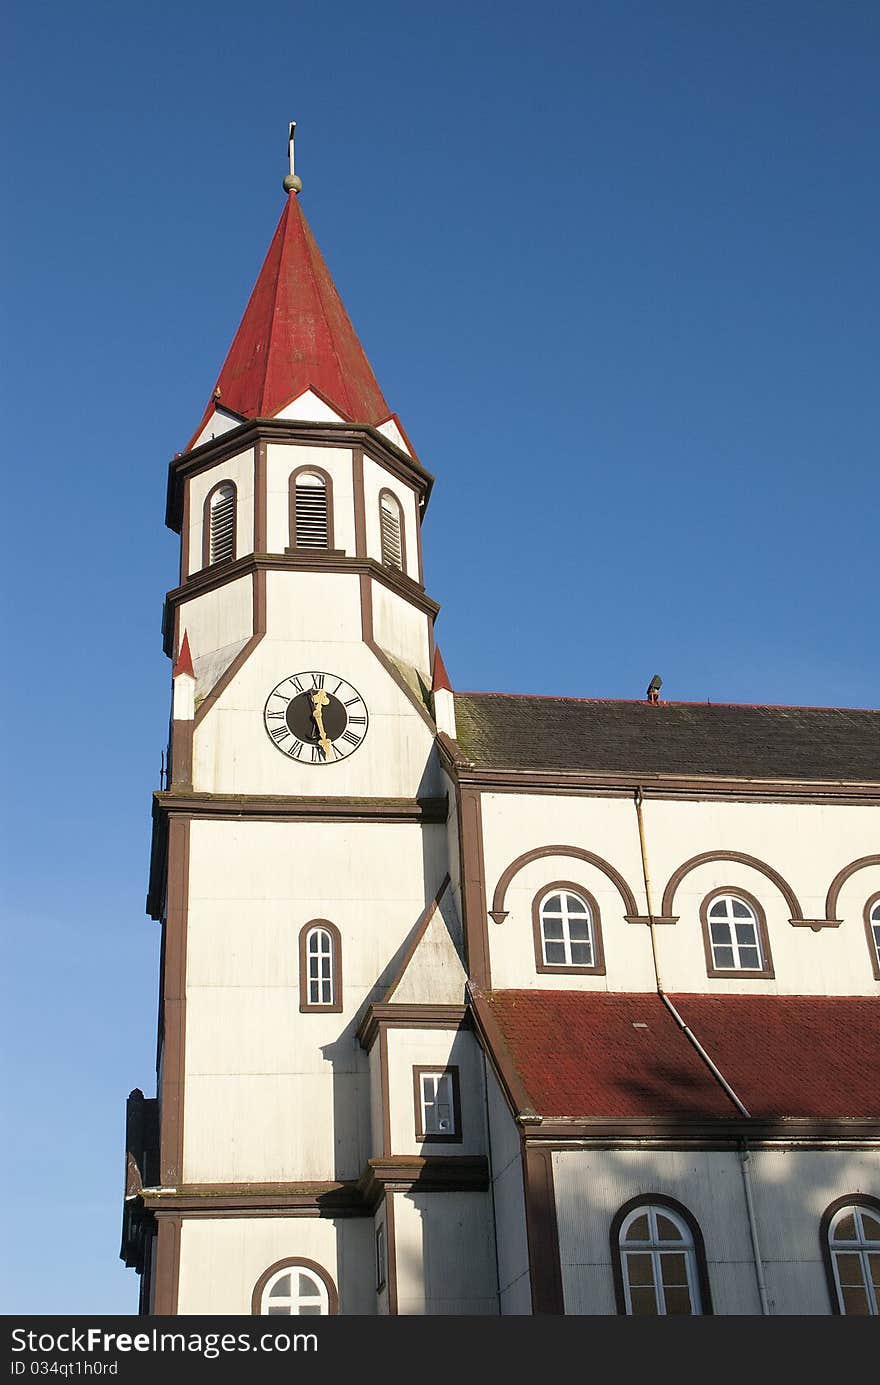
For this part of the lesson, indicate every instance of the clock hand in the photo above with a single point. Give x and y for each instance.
(320, 700)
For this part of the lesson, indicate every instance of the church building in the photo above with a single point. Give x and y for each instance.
(474, 1003)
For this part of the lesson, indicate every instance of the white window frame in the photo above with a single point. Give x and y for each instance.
(295, 1301)
(324, 973)
(734, 945)
(862, 1246)
(564, 895)
(429, 1087)
(874, 920)
(656, 1246)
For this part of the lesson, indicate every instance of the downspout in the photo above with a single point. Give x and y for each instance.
(744, 1153)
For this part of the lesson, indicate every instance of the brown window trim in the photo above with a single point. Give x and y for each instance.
(421, 1136)
(560, 969)
(206, 525)
(659, 1200)
(875, 961)
(291, 492)
(402, 518)
(381, 1269)
(737, 973)
(306, 1008)
(295, 1262)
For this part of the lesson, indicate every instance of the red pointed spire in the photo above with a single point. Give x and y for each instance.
(440, 676)
(295, 333)
(183, 663)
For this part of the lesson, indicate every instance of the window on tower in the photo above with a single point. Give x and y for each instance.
(311, 509)
(320, 967)
(872, 928)
(295, 1288)
(219, 524)
(438, 1107)
(391, 526)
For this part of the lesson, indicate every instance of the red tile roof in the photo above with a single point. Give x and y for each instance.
(619, 1056)
(793, 1055)
(296, 334)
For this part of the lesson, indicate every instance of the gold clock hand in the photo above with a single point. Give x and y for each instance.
(320, 700)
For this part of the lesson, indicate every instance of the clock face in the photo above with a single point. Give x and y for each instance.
(316, 718)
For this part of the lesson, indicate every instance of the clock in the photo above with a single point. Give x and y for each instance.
(316, 718)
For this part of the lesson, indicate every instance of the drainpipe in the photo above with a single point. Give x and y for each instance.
(745, 1158)
(744, 1153)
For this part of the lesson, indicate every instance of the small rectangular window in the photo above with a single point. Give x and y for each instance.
(437, 1104)
(380, 1256)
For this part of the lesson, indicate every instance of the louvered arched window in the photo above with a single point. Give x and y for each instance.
(311, 509)
(320, 967)
(219, 524)
(391, 526)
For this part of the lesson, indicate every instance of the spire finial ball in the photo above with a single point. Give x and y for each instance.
(292, 183)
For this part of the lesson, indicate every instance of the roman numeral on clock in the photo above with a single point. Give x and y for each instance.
(350, 737)
(278, 733)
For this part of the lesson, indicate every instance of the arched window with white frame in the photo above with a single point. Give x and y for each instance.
(567, 930)
(659, 1260)
(295, 1289)
(311, 509)
(392, 531)
(851, 1247)
(219, 524)
(872, 931)
(320, 967)
(735, 936)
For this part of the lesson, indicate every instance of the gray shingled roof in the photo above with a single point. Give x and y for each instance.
(812, 743)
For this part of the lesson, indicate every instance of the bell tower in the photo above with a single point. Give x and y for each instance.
(304, 835)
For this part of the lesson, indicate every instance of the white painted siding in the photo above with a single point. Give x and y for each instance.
(444, 1256)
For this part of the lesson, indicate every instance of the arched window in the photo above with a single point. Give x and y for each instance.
(872, 928)
(735, 934)
(659, 1260)
(851, 1247)
(219, 524)
(320, 967)
(311, 509)
(391, 525)
(295, 1288)
(567, 931)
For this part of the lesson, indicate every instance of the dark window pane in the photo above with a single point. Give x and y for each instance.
(673, 1269)
(718, 910)
(740, 910)
(874, 1264)
(639, 1269)
(278, 1312)
(310, 1310)
(282, 1288)
(745, 933)
(575, 905)
(723, 958)
(553, 928)
(678, 1302)
(855, 1303)
(845, 1229)
(308, 1288)
(871, 1227)
(666, 1228)
(721, 933)
(555, 953)
(749, 958)
(644, 1304)
(849, 1268)
(553, 905)
(581, 955)
(638, 1230)
(579, 929)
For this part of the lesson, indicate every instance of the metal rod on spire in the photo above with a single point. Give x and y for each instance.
(291, 182)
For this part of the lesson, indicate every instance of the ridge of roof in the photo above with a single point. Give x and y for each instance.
(295, 335)
(667, 702)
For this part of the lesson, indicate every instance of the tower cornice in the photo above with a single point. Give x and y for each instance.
(252, 431)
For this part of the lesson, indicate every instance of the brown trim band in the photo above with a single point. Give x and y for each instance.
(473, 886)
(542, 1232)
(391, 1255)
(408, 1016)
(236, 1199)
(341, 435)
(167, 1266)
(631, 911)
(431, 1173)
(718, 1132)
(268, 808)
(743, 859)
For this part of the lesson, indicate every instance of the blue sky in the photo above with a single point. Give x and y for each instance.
(614, 264)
